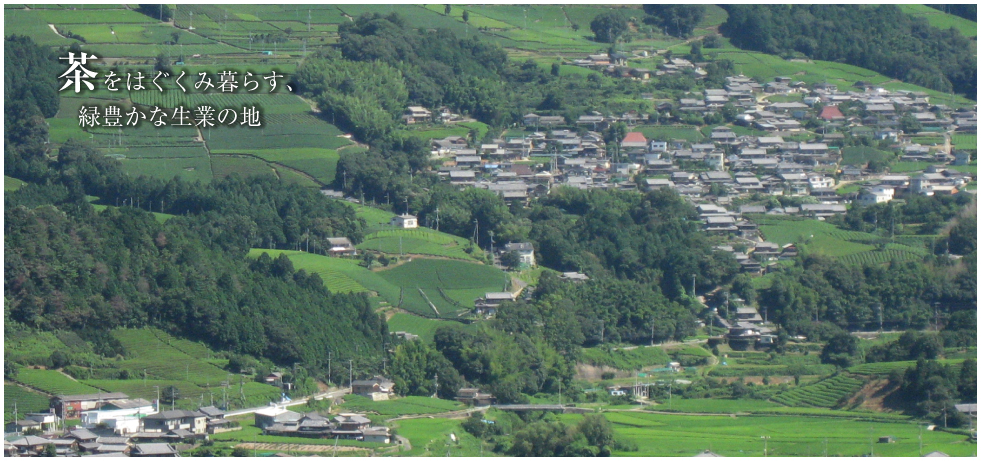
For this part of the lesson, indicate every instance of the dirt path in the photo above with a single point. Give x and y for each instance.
(55, 30)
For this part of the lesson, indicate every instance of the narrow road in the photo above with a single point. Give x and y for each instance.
(321, 396)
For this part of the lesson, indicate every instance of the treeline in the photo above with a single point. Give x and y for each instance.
(819, 296)
(881, 38)
(236, 213)
(67, 267)
(966, 11)
(931, 389)
(930, 212)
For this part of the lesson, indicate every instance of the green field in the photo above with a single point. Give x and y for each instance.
(884, 368)
(190, 169)
(633, 359)
(965, 141)
(714, 405)
(450, 285)
(27, 401)
(402, 406)
(150, 350)
(53, 382)
(431, 437)
(226, 165)
(907, 167)
(942, 20)
(339, 275)
(419, 241)
(667, 133)
(826, 393)
(251, 433)
(317, 162)
(819, 236)
(680, 435)
(375, 218)
(863, 155)
(12, 184)
(424, 327)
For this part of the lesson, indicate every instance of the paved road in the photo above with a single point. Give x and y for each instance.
(321, 396)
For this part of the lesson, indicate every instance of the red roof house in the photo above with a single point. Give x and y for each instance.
(831, 113)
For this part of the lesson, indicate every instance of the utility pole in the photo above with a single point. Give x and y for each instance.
(766, 438)
(692, 285)
(350, 364)
(328, 367)
(158, 398)
(436, 384)
(880, 318)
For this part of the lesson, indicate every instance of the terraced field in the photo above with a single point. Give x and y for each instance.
(824, 394)
(26, 401)
(884, 368)
(421, 282)
(339, 275)
(53, 382)
(419, 241)
(149, 349)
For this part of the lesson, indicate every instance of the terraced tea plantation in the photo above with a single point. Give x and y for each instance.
(190, 367)
(824, 394)
(442, 288)
(27, 401)
(53, 382)
(884, 368)
(420, 241)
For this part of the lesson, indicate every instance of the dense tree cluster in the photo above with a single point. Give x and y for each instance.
(821, 290)
(609, 26)
(30, 75)
(67, 267)
(653, 238)
(675, 20)
(155, 11)
(365, 97)
(881, 38)
(929, 212)
(931, 389)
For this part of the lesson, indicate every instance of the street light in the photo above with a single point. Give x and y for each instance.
(765, 438)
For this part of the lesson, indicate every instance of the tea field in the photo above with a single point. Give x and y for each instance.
(683, 435)
(25, 400)
(53, 382)
(825, 394)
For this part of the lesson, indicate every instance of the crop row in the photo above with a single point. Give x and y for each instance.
(825, 393)
(53, 382)
(25, 401)
(884, 368)
(878, 257)
(151, 351)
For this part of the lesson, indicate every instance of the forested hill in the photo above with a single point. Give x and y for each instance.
(69, 267)
(881, 38)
